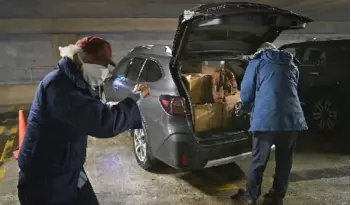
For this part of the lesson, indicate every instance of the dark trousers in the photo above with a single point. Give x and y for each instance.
(261, 148)
(86, 196)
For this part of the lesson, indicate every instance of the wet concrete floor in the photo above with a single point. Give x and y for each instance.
(320, 175)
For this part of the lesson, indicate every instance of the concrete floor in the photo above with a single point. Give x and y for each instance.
(320, 177)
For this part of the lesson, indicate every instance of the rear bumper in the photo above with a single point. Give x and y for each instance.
(183, 152)
(227, 160)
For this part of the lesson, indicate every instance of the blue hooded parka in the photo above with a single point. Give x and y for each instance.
(269, 88)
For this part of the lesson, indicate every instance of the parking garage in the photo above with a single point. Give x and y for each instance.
(30, 36)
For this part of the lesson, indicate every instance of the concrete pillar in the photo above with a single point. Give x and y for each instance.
(61, 40)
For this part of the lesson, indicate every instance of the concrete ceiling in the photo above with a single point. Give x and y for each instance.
(320, 10)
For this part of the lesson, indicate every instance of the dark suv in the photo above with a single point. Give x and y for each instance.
(324, 66)
(214, 32)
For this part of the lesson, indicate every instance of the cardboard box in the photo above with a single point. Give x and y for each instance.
(199, 88)
(230, 102)
(208, 116)
(208, 70)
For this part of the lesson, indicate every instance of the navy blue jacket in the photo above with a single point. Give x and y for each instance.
(269, 87)
(65, 110)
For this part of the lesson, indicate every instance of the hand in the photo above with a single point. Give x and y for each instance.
(142, 88)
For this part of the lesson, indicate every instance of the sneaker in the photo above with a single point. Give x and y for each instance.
(242, 197)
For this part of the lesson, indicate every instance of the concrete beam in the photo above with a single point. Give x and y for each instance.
(17, 94)
(82, 25)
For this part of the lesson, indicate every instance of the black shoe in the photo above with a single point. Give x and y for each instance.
(243, 198)
(272, 199)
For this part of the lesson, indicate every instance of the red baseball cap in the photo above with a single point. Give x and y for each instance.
(99, 48)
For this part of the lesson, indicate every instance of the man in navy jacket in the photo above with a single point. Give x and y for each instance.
(269, 89)
(65, 110)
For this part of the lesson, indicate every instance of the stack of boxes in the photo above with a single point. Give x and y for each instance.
(207, 114)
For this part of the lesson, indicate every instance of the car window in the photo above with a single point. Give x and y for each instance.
(338, 55)
(313, 57)
(121, 68)
(134, 68)
(152, 71)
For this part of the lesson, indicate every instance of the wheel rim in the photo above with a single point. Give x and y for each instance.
(325, 115)
(140, 144)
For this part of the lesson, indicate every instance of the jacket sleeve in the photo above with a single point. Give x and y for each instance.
(248, 84)
(91, 116)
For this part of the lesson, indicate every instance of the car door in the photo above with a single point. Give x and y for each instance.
(312, 65)
(338, 64)
(123, 79)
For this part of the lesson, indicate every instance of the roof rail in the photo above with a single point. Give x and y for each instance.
(161, 50)
(328, 38)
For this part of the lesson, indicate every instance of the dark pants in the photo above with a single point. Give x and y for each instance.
(86, 196)
(261, 148)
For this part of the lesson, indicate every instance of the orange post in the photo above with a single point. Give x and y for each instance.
(21, 130)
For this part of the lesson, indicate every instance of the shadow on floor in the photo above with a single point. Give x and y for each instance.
(306, 175)
(215, 179)
(230, 177)
(314, 142)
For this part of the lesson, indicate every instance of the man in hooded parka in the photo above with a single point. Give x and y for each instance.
(269, 91)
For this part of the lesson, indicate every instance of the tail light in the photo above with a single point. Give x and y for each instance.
(184, 160)
(173, 105)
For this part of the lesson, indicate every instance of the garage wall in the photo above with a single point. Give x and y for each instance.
(27, 58)
(123, 42)
(24, 56)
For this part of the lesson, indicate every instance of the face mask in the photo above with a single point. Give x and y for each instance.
(95, 75)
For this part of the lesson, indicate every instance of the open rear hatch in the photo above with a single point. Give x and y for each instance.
(237, 28)
(225, 31)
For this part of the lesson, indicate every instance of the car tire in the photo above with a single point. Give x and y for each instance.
(324, 113)
(142, 150)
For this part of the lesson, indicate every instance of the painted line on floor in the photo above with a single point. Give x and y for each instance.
(227, 187)
(13, 130)
(266, 184)
(2, 129)
(7, 151)
(2, 173)
(10, 133)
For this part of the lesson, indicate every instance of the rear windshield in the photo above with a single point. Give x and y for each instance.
(241, 31)
(209, 66)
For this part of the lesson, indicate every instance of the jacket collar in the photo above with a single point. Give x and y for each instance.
(67, 67)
